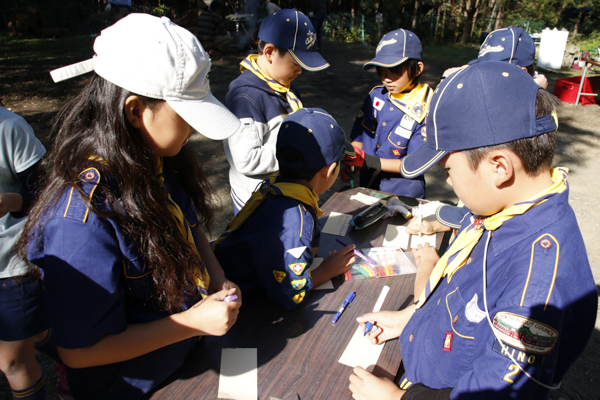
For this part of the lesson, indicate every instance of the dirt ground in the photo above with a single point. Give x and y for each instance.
(340, 90)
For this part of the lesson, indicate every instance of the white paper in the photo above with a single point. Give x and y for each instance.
(316, 263)
(416, 240)
(337, 224)
(396, 236)
(360, 351)
(297, 252)
(363, 198)
(238, 379)
(429, 208)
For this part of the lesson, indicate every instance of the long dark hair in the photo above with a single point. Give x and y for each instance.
(94, 124)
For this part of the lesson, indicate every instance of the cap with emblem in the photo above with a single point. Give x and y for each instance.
(293, 31)
(512, 45)
(156, 58)
(396, 47)
(316, 135)
(484, 104)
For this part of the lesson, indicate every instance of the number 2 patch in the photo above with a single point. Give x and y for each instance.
(510, 373)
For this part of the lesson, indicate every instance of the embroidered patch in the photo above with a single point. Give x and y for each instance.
(378, 103)
(297, 267)
(311, 39)
(299, 297)
(297, 252)
(279, 275)
(385, 43)
(361, 114)
(525, 333)
(298, 283)
(490, 49)
(396, 152)
(473, 312)
(405, 133)
(517, 354)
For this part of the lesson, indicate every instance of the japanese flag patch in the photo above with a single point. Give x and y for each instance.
(297, 267)
(378, 103)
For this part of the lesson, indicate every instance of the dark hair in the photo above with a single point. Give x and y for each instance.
(94, 124)
(530, 69)
(536, 153)
(262, 44)
(411, 66)
(295, 174)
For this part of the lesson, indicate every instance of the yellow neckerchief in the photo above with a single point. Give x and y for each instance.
(458, 253)
(296, 191)
(414, 103)
(202, 277)
(250, 64)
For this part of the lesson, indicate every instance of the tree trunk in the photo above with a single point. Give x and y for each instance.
(579, 21)
(415, 14)
(494, 15)
(437, 22)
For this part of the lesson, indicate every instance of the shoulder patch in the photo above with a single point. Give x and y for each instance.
(279, 275)
(298, 284)
(298, 268)
(525, 333)
(378, 103)
(519, 355)
(299, 297)
(473, 312)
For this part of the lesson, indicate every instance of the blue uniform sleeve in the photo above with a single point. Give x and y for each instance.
(287, 277)
(365, 123)
(83, 268)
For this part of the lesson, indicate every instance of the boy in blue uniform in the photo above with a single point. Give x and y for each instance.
(271, 243)
(390, 124)
(512, 303)
(263, 95)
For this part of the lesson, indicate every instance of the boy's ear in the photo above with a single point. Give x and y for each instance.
(421, 67)
(330, 169)
(268, 51)
(133, 111)
(503, 168)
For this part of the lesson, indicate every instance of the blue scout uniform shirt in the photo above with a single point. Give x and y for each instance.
(96, 284)
(387, 132)
(539, 279)
(272, 251)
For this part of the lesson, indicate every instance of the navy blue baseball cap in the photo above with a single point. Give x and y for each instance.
(512, 45)
(394, 48)
(293, 31)
(484, 104)
(316, 135)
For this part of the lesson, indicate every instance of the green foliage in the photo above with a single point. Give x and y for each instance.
(161, 11)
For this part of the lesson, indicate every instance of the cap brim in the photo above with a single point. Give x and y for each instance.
(420, 160)
(349, 150)
(451, 216)
(309, 60)
(385, 61)
(207, 116)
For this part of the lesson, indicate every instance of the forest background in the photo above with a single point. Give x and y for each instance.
(434, 21)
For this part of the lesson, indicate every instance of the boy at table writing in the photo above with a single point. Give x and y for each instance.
(263, 95)
(512, 303)
(271, 243)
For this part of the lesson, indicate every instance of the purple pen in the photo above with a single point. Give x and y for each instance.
(233, 297)
(358, 253)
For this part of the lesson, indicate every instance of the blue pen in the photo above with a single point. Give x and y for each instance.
(348, 300)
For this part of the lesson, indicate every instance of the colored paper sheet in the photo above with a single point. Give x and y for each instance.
(337, 224)
(360, 351)
(316, 263)
(238, 379)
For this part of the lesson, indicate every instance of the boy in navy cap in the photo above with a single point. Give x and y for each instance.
(512, 303)
(271, 243)
(263, 95)
(391, 121)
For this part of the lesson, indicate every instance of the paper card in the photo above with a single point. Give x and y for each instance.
(396, 236)
(316, 263)
(429, 208)
(365, 199)
(416, 240)
(337, 224)
(360, 351)
(238, 379)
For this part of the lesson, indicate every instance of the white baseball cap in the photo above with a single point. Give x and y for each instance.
(156, 58)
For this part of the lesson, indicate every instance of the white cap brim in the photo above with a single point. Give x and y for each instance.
(207, 116)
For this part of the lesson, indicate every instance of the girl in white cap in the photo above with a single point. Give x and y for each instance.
(130, 277)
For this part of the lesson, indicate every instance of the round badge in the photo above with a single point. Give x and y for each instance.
(89, 175)
(546, 244)
(264, 187)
